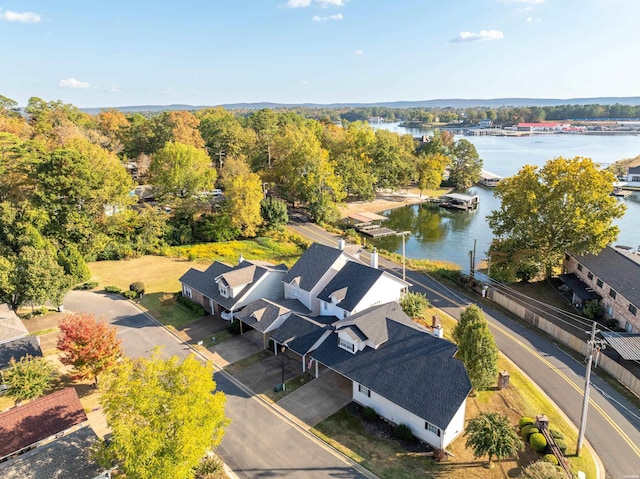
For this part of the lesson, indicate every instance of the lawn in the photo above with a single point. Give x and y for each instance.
(387, 459)
(290, 386)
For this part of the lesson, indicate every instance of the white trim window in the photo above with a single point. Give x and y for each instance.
(363, 390)
(346, 344)
(187, 291)
(431, 428)
(223, 289)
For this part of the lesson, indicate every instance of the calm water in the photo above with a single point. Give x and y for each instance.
(449, 235)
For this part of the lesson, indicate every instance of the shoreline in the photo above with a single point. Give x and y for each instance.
(390, 200)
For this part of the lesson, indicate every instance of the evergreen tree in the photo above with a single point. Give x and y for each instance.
(491, 434)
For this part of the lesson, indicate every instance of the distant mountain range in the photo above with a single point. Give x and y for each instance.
(444, 103)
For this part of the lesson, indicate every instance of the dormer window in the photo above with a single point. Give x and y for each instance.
(344, 343)
(223, 289)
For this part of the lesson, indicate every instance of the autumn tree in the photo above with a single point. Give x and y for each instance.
(28, 378)
(477, 348)
(393, 159)
(90, 346)
(164, 415)
(490, 434)
(180, 170)
(430, 170)
(265, 125)
(565, 206)
(243, 193)
(224, 135)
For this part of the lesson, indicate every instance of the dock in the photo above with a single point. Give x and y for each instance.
(375, 231)
(489, 179)
(460, 201)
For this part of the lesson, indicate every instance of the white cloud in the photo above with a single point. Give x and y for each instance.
(331, 3)
(298, 3)
(532, 2)
(533, 20)
(481, 36)
(304, 82)
(317, 18)
(358, 52)
(113, 89)
(73, 83)
(22, 17)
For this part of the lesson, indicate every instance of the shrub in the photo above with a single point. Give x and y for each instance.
(550, 458)
(112, 289)
(369, 414)
(556, 434)
(43, 310)
(562, 445)
(528, 430)
(210, 468)
(87, 285)
(440, 455)
(524, 421)
(137, 287)
(402, 431)
(130, 294)
(542, 470)
(200, 311)
(538, 442)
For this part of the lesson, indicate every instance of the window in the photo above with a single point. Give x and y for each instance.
(364, 390)
(224, 290)
(632, 309)
(635, 178)
(612, 293)
(599, 283)
(187, 291)
(590, 275)
(346, 344)
(628, 327)
(431, 428)
(579, 267)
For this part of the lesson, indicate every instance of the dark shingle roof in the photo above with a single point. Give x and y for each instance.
(18, 349)
(300, 333)
(617, 270)
(35, 421)
(10, 325)
(412, 369)
(204, 281)
(312, 266)
(261, 314)
(350, 285)
(66, 457)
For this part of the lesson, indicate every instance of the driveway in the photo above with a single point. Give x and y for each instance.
(237, 348)
(266, 374)
(318, 399)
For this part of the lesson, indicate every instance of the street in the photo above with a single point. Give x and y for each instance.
(613, 427)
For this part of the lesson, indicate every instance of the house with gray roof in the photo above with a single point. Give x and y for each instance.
(357, 287)
(10, 325)
(311, 273)
(614, 275)
(398, 368)
(18, 349)
(224, 290)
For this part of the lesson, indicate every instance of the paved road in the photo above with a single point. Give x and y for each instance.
(613, 426)
(259, 443)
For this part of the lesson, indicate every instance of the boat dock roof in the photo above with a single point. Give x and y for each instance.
(487, 175)
(460, 196)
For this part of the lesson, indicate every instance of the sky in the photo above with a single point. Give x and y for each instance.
(211, 52)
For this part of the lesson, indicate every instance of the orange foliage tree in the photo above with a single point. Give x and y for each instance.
(89, 345)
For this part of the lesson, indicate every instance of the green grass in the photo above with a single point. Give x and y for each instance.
(167, 311)
(44, 331)
(291, 386)
(238, 366)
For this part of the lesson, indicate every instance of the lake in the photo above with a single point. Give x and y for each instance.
(449, 235)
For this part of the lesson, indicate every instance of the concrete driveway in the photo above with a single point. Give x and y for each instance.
(266, 374)
(235, 349)
(318, 399)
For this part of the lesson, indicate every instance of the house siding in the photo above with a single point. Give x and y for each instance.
(196, 297)
(398, 415)
(310, 298)
(385, 290)
(615, 308)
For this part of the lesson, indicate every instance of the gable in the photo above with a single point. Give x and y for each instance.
(350, 285)
(312, 266)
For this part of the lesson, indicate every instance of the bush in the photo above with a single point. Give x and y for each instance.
(562, 445)
(524, 421)
(550, 458)
(137, 287)
(43, 310)
(210, 468)
(528, 430)
(556, 434)
(538, 442)
(369, 414)
(112, 289)
(542, 470)
(402, 431)
(87, 285)
(440, 455)
(130, 294)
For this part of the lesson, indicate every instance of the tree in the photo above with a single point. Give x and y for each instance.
(164, 415)
(542, 470)
(223, 134)
(566, 206)
(180, 170)
(90, 346)
(73, 263)
(491, 434)
(28, 378)
(274, 212)
(430, 169)
(477, 349)
(393, 159)
(471, 314)
(465, 166)
(243, 193)
(414, 304)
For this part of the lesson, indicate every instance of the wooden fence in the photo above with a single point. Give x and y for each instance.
(623, 375)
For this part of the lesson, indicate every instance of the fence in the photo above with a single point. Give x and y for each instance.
(623, 375)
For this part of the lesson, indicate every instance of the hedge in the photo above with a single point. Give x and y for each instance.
(524, 421)
(528, 430)
(138, 287)
(196, 308)
(538, 442)
(402, 431)
(369, 414)
(130, 294)
(556, 434)
(550, 458)
(562, 445)
(112, 289)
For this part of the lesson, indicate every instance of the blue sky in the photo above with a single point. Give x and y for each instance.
(115, 53)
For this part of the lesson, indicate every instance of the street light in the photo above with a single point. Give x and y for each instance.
(282, 350)
(403, 234)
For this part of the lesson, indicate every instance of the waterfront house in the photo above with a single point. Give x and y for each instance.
(224, 290)
(614, 276)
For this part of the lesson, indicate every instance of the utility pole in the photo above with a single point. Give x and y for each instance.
(403, 234)
(593, 346)
(472, 260)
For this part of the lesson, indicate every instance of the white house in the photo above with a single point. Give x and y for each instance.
(402, 371)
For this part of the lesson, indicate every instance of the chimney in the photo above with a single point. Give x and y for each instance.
(240, 259)
(438, 331)
(374, 258)
(341, 244)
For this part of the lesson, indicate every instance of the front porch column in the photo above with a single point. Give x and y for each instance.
(316, 361)
(304, 363)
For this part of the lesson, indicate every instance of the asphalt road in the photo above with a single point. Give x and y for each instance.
(259, 442)
(613, 426)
